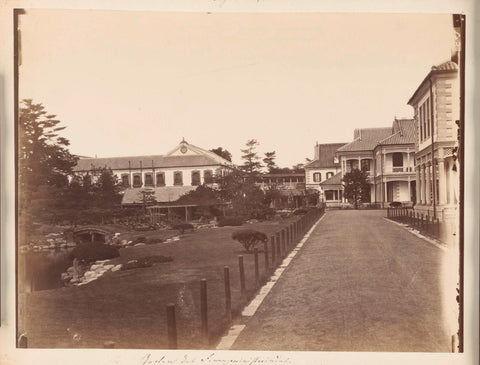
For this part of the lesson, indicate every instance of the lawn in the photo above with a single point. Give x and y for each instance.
(129, 307)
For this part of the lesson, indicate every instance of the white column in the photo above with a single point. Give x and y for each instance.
(409, 189)
(428, 190)
(417, 186)
(422, 184)
(385, 196)
(442, 180)
(408, 162)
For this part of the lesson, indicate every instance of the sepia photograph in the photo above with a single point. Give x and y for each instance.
(239, 181)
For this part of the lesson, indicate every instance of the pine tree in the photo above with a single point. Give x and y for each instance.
(269, 161)
(251, 165)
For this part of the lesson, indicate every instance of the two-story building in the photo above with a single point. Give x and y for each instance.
(320, 172)
(169, 176)
(437, 108)
(290, 189)
(394, 161)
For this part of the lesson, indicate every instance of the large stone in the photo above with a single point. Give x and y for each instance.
(116, 268)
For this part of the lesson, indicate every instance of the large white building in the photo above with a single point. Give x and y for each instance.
(437, 108)
(169, 176)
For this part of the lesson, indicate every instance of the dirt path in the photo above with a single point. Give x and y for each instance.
(359, 284)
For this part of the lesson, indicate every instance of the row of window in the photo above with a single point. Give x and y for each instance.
(424, 120)
(317, 176)
(160, 178)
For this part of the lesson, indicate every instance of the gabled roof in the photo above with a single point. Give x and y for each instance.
(445, 67)
(183, 155)
(403, 133)
(162, 194)
(366, 139)
(326, 156)
(334, 180)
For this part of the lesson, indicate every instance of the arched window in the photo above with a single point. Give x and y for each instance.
(317, 177)
(148, 179)
(195, 178)
(137, 180)
(177, 178)
(208, 176)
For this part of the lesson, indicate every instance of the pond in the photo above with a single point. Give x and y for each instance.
(42, 270)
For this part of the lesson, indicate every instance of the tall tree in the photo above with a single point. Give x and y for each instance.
(251, 162)
(107, 188)
(269, 161)
(222, 153)
(44, 158)
(356, 187)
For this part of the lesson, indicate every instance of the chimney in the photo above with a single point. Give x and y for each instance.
(316, 152)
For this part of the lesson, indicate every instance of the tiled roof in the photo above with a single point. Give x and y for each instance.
(366, 139)
(326, 155)
(117, 163)
(446, 66)
(163, 194)
(404, 133)
(334, 180)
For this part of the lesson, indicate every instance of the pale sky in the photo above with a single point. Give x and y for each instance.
(135, 83)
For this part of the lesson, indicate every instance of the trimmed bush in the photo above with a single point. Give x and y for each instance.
(89, 252)
(395, 204)
(230, 221)
(300, 211)
(249, 238)
(182, 227)
(145, 262)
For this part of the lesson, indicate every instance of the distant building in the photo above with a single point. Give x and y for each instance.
(324, 166)
(169, 176)
(386, 154)
(291, 189)
(437, 108)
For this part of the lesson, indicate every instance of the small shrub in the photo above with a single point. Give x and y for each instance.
(230, 221)
(145, 262)
(300, 211)
(89, 252)
(395, 204)
(182, 227)
(249, 238)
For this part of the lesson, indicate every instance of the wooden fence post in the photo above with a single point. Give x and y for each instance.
(242, 276)
(265, 252)
(284, 248)
(171, 326)
(228, 295)
(279, 242)
(204, 309)
(274, 259)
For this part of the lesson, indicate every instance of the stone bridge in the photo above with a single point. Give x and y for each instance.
(93, 234)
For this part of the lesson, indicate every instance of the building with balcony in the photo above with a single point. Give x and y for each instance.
(358, 154)
(168, 176)
(394, 165)
(437, 108)
(289, 190)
